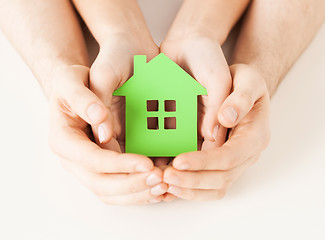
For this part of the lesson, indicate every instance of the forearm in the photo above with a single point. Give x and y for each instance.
(113, 17)
(275, 33)
(213, 18)
(46, 34)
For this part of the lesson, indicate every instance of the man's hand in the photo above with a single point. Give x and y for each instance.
(193, 42)
(208, 174)
(115, 177)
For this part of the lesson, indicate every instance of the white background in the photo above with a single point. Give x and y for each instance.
(280, 197)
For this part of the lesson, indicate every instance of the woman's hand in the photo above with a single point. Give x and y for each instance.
(208, 174)
(113, 67)
(121, 31)
(115, 177)
(202, 57)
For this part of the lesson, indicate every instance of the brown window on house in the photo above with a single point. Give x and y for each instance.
(152, 123)
(170, 106)
(152, 105)
(170, 123)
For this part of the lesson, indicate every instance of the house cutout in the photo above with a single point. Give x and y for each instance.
(160, 108)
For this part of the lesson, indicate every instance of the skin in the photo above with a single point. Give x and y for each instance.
(60, 62)
(86, 123)
(121, 35)
(262, 57)
(194, 42)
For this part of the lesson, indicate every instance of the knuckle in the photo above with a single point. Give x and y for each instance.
(225, 179)
(245, 99)
(228, 162)
(100, 72)
(96, 72)
(74, 95)
(204, 160)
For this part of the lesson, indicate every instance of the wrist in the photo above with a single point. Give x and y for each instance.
(125, 37)
(183, 32)
(214, 19)
(46, 66)
(113, 17)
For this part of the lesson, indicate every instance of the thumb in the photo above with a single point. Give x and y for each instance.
(79, 98)
(217, 92)
(83, 101)
(248, 88)
(103, 83)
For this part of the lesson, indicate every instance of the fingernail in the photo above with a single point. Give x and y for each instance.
(95, 112)
(174, 190)
(183, 166)
(173, 179)
(154, 200)
(101, 134)
(153, 179)
(142, 168)
(215, 132)
(230, 114)
(157, 190)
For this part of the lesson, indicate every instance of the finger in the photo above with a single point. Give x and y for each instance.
(197, 179)
(196, 194)
(104, 132)
(251, 137)
(103, 82)
(231, 154)
(206, 179)
(248, 88)
(212, 71)
(211, 129)
(143, 197)
(75, 145)
(79, 99)
(112, 145)
(114, 184)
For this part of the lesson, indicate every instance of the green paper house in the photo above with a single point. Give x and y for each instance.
(160, 108)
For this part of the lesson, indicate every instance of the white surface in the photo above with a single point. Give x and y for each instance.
(281, 197)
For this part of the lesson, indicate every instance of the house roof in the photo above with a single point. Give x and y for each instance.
(161, 77)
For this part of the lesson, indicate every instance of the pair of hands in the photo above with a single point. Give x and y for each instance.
(86, 127)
